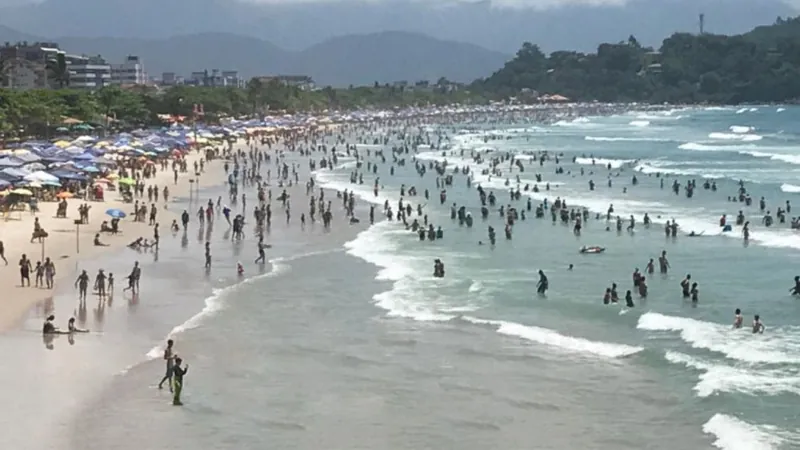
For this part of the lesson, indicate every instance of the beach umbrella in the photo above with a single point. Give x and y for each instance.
(126, 181)
(62, 130)
(25, 192)
(116, 213)
(65, 194)
(33, 184)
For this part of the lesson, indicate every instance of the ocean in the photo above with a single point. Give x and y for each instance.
(346, 340)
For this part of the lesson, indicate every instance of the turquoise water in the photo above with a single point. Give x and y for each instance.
(741, 388)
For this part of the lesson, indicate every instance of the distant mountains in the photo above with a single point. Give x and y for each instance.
(354, 59)
(500, 25)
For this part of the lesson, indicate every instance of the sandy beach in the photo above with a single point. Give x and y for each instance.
(67, 244)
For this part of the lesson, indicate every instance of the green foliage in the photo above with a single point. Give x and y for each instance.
(760, 66)
(36, 112)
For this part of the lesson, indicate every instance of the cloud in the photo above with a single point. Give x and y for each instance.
(500, 4)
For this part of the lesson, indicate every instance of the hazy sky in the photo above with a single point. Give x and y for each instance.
(532, 4)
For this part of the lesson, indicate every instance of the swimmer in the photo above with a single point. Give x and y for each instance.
(737, 318)
(758, 326)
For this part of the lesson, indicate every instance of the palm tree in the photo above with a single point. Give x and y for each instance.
(59, 70)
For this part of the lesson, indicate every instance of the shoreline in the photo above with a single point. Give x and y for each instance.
(67, 243)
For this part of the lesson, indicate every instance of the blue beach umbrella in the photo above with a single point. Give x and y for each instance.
(116, 213)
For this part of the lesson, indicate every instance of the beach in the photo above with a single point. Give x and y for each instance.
(68, 244)
(345, 337)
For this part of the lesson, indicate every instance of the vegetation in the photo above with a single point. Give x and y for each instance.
(39, 112)
(760, 66)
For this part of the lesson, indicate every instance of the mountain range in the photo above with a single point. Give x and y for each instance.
(341, 61)
(500, 25)
(341, 42)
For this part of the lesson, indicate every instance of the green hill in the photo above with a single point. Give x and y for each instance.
(762, 65)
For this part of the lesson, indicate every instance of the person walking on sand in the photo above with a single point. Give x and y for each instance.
(133, 278)
(177, 381)
(3, 253)
(169, 357)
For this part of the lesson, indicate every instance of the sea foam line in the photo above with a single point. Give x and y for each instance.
(741, 345)
(725, 378)
(215, 302)
(735, 434)
(404, 300)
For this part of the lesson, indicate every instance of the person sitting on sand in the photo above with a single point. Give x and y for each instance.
(97, 242)
(49, 328)
(72, 328)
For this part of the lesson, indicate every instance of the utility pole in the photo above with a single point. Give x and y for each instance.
(702, 23)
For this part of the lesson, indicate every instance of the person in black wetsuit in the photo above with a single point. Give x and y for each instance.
(796, 289)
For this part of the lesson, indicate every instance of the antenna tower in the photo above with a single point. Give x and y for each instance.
(702, 23)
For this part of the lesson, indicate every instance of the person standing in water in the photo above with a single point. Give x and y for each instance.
(663, 264)
(169, 357)
(177, 381)
(82, 283)
(543, 284)
(758, 326)
(737, 318)
(208, 255)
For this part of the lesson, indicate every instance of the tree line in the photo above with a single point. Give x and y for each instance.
(34, 112)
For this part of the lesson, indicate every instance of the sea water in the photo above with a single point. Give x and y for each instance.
(358, 346)
(742, 386)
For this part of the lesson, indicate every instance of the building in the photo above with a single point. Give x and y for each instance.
(303, 82)
(216, 78)
(25, 64)
(88, 72)
(169, 79)
(131, 72)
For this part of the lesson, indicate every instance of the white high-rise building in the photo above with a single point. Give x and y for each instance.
(88, 72)
(129, 73)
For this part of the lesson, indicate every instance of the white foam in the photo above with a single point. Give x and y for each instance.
(476, 286)
(775, 346)
(639, 123)
(726, 378)
(624, 139)
(790, 188)
(741, 129)
(698, 147)
(780, 110)
(791, 159)
(602, 162)
(554, 339)
(735, 136)
(735, 434)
